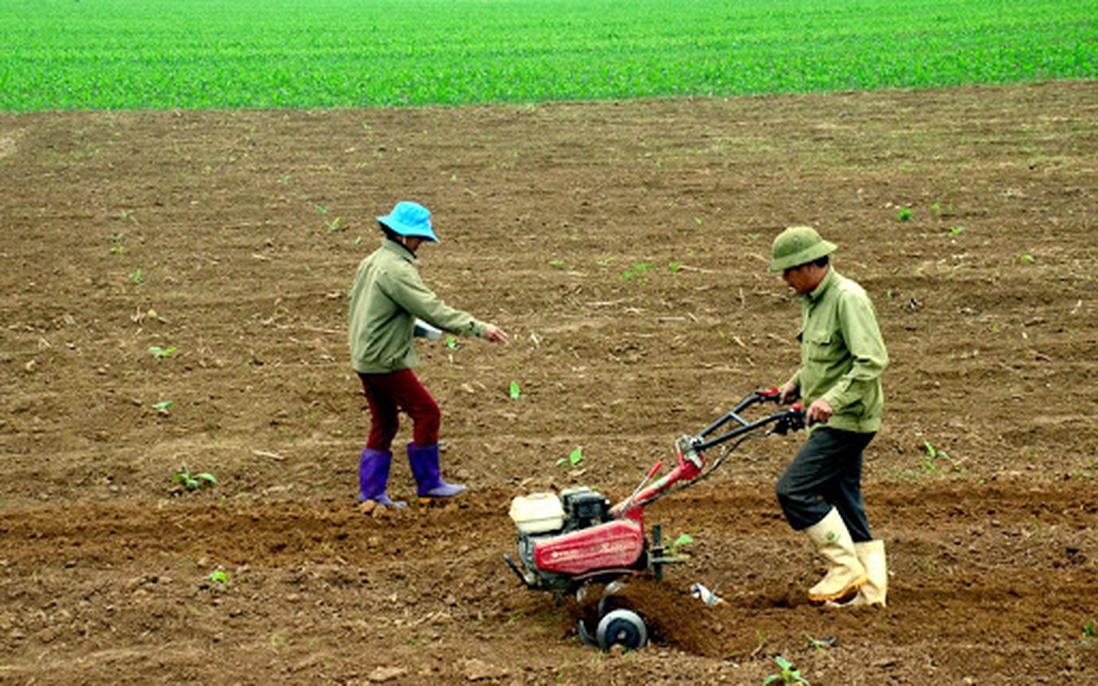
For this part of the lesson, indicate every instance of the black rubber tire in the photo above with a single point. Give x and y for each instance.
(621, 627)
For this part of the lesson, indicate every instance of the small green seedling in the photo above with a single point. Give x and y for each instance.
(683, 539)
(934, 454)
(164, 407)
(452, 343)
(1089, 630)
(116, 244)
(138, 277)
(516, 392)
(956, 230)
(219, 577)
(573, 460)
(788, 675)
(333, 225)
(194, 482)
(903, 214)
(638, 272)
(161, 353)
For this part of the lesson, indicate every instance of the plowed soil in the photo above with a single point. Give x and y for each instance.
(623, 246)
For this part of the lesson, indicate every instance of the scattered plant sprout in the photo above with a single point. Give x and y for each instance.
(556, 264)
(1027, 258)
(956, 230)
(930, 464)
(138, 276)
(683, 539)
(116, 244)
(573, 459)
(1089, 630)
(193, 482)
(761, 639)
(637, 273)
(161, 353)
(787, 675)
(516, 392)
(903, 214)
(452, 343)
(333, 225)
(164, 407)
(219, 577)
(934, 452)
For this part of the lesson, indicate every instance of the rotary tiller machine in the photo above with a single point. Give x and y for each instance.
(577, 539)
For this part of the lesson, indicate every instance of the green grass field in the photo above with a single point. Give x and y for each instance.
(218, 54)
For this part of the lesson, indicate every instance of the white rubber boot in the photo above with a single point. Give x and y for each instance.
(845, 574)
(872, 556)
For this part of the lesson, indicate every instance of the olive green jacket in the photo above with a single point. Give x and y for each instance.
(842, 354)
(387, 296)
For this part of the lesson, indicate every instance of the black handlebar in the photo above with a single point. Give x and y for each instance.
(784, 422)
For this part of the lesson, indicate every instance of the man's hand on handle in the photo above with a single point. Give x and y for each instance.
(788, 394)
(818, 412)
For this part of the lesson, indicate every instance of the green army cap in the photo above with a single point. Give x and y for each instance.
(798, 245)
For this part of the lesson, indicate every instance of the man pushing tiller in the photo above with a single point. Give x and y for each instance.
(387, 297)
(839, 379)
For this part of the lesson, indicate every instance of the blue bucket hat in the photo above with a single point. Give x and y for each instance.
(410, 219)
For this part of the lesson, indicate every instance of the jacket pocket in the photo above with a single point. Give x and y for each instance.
(820, 345)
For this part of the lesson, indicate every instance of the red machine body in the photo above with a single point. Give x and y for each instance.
(616, 545)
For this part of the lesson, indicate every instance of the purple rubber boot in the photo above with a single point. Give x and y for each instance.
(373, 475)
(424, 462)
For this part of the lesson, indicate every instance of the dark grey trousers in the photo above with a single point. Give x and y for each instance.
(826, 473)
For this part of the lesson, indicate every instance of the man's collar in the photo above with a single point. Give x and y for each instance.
(815, 293)
(398, 249)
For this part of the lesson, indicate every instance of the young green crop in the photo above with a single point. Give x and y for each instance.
(574, 458)
(193, 482)
(225, 54)
(787, 674)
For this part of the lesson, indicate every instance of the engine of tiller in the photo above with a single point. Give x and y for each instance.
(569, 540)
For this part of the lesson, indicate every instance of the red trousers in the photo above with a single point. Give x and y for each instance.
(387, 395)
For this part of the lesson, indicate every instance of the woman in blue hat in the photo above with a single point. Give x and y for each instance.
(387, 297)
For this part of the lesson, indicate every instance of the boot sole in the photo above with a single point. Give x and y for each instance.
(845, 596)
(436, 501)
